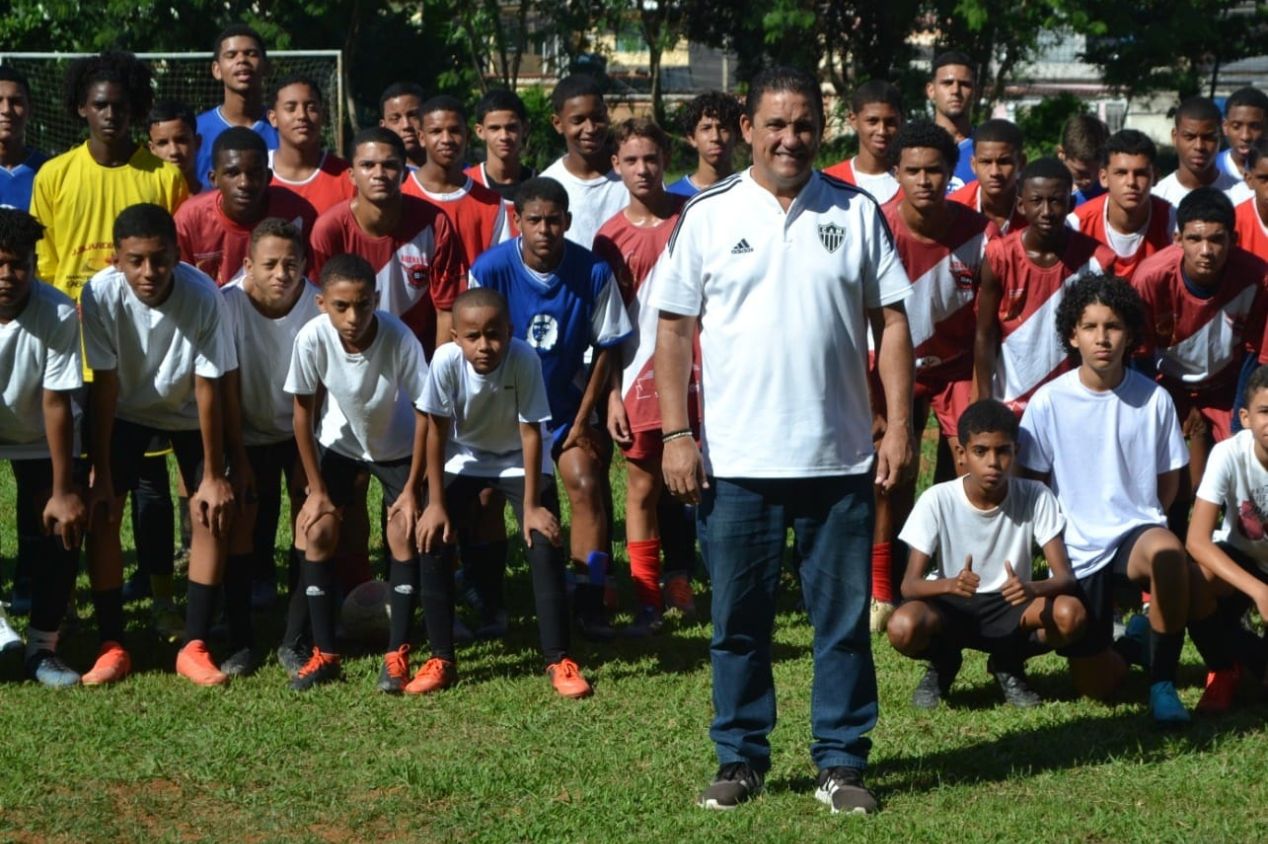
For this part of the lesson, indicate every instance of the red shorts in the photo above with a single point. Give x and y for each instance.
(1215, 407)
(647, 446)
(947, 400)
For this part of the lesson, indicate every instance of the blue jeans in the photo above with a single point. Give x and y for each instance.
(745, 521)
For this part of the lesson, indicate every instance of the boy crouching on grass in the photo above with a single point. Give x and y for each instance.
(981, 529)
(357, 375)
(487, 401)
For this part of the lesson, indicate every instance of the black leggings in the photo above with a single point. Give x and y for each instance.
(53, 567)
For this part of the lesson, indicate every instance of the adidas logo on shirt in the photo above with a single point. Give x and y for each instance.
(741, 248)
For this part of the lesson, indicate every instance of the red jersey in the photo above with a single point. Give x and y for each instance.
(329, 185)
(944, 278)
(476, 212)
(1197, 337)
(1252, 234)
(419, 268)
(970, 196)
(1030, 353)
(217, 245)
(1092, 218)
(633, 253)
(481, 177)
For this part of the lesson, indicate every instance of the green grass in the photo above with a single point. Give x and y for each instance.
(501, 758)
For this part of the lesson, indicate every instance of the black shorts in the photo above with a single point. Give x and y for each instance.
(461, 491)
(1237, 603)
(273, 459)
(340, 473)
(130, 442)
(984, 622)
(1097, 591)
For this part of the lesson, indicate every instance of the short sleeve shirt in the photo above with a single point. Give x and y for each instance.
(39, 350)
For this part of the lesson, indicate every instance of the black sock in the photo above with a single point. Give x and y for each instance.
(319, 588)
(238, 601)
(588, 600)
(401, 602)
(484, 570)
(435, 577)
(201, 600)
(296, 635)
(1164, 655)
(52, 584)
(108, 604)
(550, 599)
(939, 652)
(1213, 638)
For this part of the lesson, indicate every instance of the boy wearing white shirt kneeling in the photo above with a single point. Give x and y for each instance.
(981, 529)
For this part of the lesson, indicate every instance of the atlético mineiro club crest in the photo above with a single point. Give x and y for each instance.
(831, 236)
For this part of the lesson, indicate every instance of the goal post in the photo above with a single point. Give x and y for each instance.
(185, 77)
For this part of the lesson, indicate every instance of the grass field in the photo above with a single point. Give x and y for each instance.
(502, 758)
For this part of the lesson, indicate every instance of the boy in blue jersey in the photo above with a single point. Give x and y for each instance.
(711, 123)
(18, 162)
(563, 300)
(241, 63)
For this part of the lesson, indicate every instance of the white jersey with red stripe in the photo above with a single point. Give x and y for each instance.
(944, 280)
(1131, 249)
(1030, 353)
(1198, 337)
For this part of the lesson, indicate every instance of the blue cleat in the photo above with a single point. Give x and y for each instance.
(45, 668)
(1165, 705)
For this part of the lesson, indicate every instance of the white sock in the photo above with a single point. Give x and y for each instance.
(40, 640)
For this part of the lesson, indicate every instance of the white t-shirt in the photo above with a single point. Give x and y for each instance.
(782, 299)
(882, 186)
(945, 525)
(592, 202)
(486, 410)
(1171, 190)
(261, 344)
(1238, 482)
(39, 350)
(370, 396)
(1104, 452)
(156, 352)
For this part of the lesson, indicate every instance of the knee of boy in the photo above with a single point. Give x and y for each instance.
(1069, 616)
(322, 536)
(901, 630)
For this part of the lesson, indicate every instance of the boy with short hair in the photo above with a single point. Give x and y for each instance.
(476, 212)
(563, 300)
(158, 343)
(18, 162)
(998, 158)
(1245, 116)
(399, 106)
(486, 402)
(214, 229)
(1115, 506)
(1251, 216)
(240, 62)
(981, 529)
(267, 305)
(39, 351)
(876, 115)
(300, 164)
(1082, 139)
(173, 134)
(368, 370)
(1127, 217)
(595, 191)
(711, 124)
(1196, 136)
(501, 123)
(632, 243)
(1023, 280)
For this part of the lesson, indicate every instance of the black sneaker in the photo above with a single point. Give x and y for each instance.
(937, 682)
(243, 663)
(842, 790)
(321, 668)
(1012, 682)
(734, 784)
(292, 656)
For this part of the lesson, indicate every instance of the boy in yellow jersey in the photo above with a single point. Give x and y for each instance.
(78, 194)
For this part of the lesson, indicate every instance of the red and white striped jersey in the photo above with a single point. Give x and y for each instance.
(944, 280)
(633, 253)
(1030, 352)
(1196, 340)
(1252, 234)
(970, 196)
(1091, 218)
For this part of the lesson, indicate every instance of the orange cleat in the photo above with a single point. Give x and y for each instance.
(566, 677)
(679, 596)
(1221, 689)
(112, 665)
(194, 663)
(395, 672)
(321, 668)
(436, 674)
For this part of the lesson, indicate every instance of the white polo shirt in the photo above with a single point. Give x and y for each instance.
(782, 300)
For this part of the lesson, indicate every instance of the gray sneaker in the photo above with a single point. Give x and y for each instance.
(45, 668)
(243, 663)
(734, 784)
(842, 790)
(292, 658)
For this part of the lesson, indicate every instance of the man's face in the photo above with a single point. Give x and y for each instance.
(274, 270)
(542, 224)
(713, 141)
(404, 116)
(240, 66)
(14, 109)
(876, 125)
(174, 142)
(996, 166)
(147, 264)
(784, 133)
(641, 165)
(1045, 203)
(16, 272)
(297, 116)
(1196, 143)
(1206, 245)
(106, 109)
(951, 90)
(1243, 125)
(242, 177)
(583, 121)
(922, 175)
(503, 134)
(444, 138)
(1128, 179)
(376, 171)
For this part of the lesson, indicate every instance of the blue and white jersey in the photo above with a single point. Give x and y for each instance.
(963, 169)
(210, 124)
(684, 187)
(16, 182)
(561, 314)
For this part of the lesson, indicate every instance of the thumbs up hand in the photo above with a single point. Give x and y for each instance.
(966, 582)
(1015, 590)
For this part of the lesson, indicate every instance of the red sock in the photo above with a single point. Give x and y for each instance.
(882, 579)
(645, 571)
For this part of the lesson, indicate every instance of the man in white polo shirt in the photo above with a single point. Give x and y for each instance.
(783, 270)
